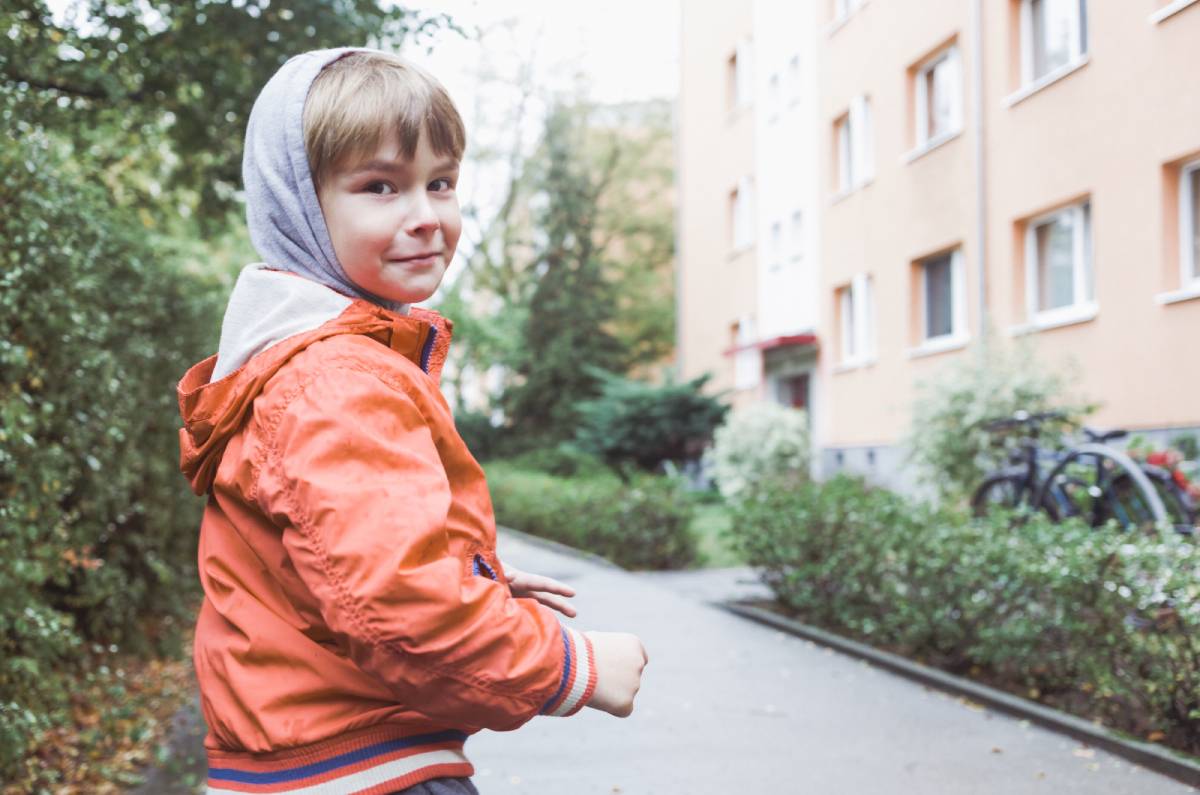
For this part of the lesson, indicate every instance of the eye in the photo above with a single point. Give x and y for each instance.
(379, 188)
(444, 182)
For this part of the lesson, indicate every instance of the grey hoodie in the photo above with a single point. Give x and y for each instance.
(286, 225)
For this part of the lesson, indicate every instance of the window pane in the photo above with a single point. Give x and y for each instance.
(845, 164)
(939, 90)
(1055, 262)
(1195, 222)
(848, 324)
(939, 307)
(1054, 22)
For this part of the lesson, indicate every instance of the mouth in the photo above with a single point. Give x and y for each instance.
(426, 258)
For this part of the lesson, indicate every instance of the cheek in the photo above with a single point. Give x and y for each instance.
(452, 228)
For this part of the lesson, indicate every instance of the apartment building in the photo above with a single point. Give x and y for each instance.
(717, 288)
(1007, 169)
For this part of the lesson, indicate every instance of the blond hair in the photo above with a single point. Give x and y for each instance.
(359, 100)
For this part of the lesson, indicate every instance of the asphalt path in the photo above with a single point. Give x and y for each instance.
(730, 706)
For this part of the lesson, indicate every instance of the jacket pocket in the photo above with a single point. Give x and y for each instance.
(481, 567)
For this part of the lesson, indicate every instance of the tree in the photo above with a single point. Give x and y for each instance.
(155, 96)
(572, 306)
(646, 424)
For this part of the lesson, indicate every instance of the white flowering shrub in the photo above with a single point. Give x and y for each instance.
(763, 440)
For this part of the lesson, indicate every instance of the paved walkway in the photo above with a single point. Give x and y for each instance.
(730, 706)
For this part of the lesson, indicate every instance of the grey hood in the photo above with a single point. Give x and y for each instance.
(282, 210)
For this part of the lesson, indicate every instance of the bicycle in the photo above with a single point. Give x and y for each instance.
(1093, 480)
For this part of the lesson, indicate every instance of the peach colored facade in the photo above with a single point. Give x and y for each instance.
(1050, 193)
(715, 158)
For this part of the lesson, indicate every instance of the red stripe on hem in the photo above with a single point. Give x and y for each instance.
(591, 683)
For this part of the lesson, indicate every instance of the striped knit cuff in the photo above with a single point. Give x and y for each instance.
(578, 678)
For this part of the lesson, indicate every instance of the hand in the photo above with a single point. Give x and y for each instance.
(619, 658)
(543, 589)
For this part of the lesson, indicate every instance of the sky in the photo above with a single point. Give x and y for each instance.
(628, 49)
(618, 51)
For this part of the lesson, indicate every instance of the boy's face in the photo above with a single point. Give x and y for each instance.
(394, 222)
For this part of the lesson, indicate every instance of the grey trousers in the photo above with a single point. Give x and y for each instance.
(441, 786)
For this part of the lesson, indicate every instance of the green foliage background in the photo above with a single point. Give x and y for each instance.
(119, 234)
(1103, 623)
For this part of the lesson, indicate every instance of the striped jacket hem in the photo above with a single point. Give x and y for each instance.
(375, 761)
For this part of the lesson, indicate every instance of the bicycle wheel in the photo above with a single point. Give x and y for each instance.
(1180, 511)
(1007, 489)
(1099, 483)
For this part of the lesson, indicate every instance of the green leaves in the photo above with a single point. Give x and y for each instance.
(1101, 622)
(97, 527)
(633, 422)
(641, 524)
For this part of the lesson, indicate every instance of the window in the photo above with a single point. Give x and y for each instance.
(1189, 225)
(942, 306)
(1058, 259)
(1053, 36)
(793, 79)
(854, 146)
(747, 362)
(844, 8)
(741, 214)
(776, 252)
(738, 77)
(857, 324)
(939, 97)
(797, 236)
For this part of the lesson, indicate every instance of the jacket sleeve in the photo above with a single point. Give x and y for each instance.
(353, 476)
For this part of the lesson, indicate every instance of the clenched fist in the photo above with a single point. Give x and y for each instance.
(619, 659)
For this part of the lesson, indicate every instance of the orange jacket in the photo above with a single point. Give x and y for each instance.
(356, 625)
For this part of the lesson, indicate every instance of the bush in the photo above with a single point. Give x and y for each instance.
(564, 460)
(97, 527)
(1101, 622)
(948, 443)
(482, 438)
(762, 441)
(633, 422)
(643, 524)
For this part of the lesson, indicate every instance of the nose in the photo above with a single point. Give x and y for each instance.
(422, 219)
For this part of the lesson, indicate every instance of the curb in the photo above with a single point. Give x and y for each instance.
(559, 547)
(1154, 757)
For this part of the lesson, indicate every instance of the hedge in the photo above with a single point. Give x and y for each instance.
(642, 524)
(97, 527)
(1103, 623)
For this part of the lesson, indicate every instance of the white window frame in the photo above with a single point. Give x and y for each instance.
(1083, 306)
(1189, 262)
(857, 322)
(796, 235)
(747, 359)
(776, 253)
(743, 79)
(743, 214)
(1078, 46)
(844, 9)
(774, 97)
(793, 79)
(924, 137)
(856, 162)
(958, 303)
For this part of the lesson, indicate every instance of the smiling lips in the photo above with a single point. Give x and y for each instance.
(425, 258)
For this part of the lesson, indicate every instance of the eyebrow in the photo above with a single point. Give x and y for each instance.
(396, 167)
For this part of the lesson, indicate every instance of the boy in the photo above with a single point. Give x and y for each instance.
(357, 625)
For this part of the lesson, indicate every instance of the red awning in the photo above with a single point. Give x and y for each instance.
(786, 341)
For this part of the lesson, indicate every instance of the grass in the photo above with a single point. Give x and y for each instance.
(710, 525)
